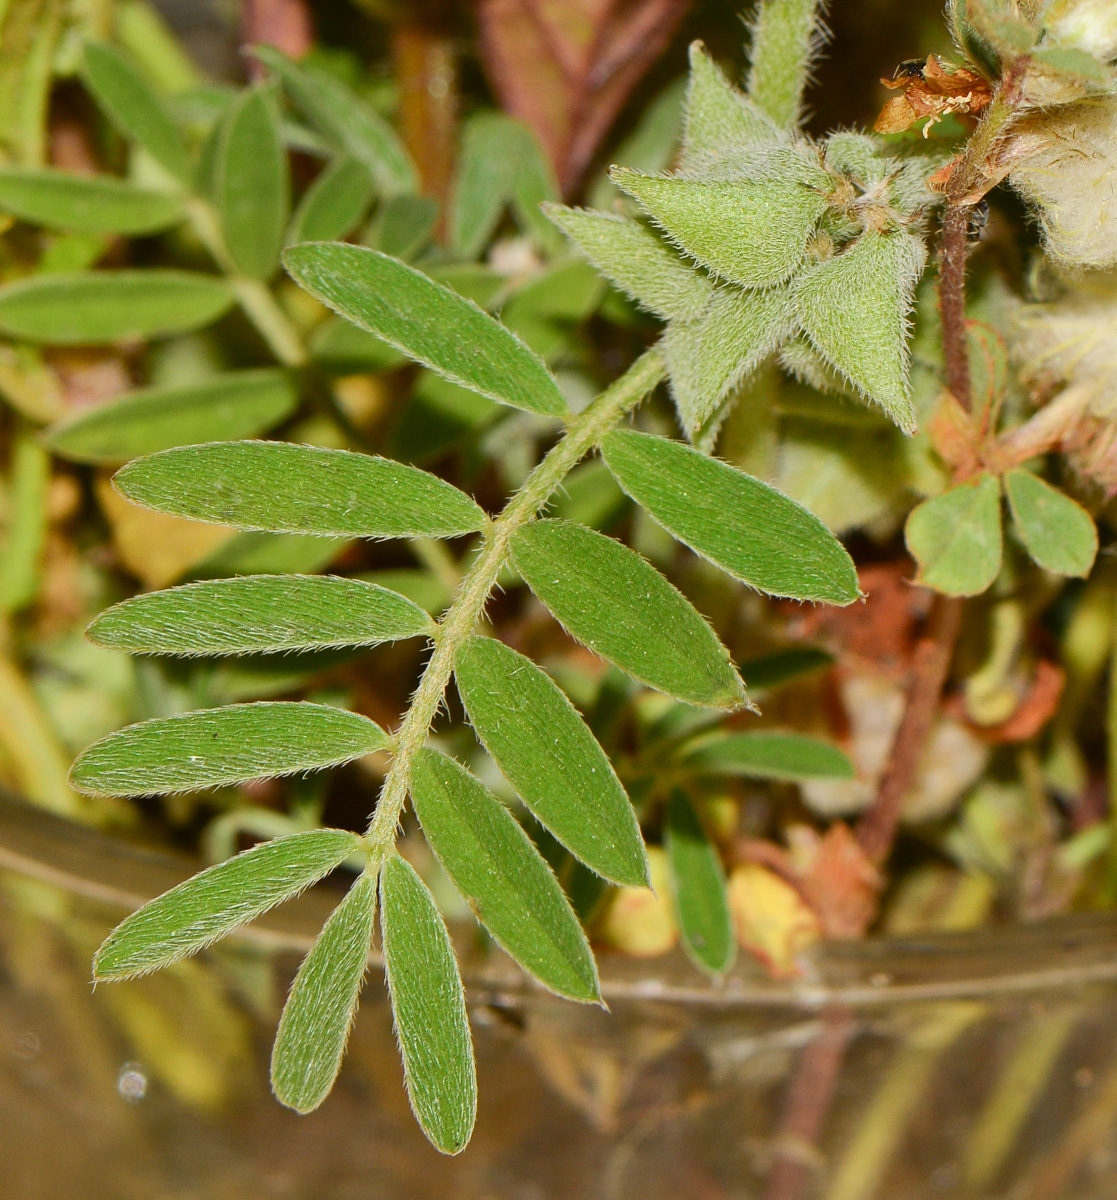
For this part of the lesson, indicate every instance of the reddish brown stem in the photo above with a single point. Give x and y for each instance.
(426, 67)
(284, 24)
(952, 303)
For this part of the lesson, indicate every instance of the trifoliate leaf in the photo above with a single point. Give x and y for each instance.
(956, 537)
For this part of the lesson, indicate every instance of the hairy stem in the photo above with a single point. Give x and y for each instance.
(952, 303)
(583, 433)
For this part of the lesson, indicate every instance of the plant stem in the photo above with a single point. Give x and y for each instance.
(952, 303)
(583, 432)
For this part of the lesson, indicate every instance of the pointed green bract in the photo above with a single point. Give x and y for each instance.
(855, 309)
(1059, 534)
(749, 529)
(220, 899)
(427, 321)
(637, 261)
(709, 357)
(345, 121)
(720, 122)
(334, 202)
(508, 884)
(550, 757)
(618, 605)
(784, 38)
(221, 746)
(763, 755)
(94, 307)
(284, 488)
(698, 885)
(259, 614)
(956, 537)
(318, 1015)
(751, 232)
(237, 404)
(428, 1004)
(252, 186)
(137, 111)
(84, 203)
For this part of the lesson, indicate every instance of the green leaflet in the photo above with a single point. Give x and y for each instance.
(784, 37)
(220, 746)
(259, 614)
(84, 204)
(95, 307)
(770, 671)
(752, 232)
(855, 306)
(130, 103)
(496, 867)
(26, 501)
(220, 899)
(550, 757)
(1059, 534)
(749, 529)
(251, 184)
(270, 554)
(346, 350)
(403, 227)
(641, 264)
(709, 357)
(428, 1005)
(281, 487)
(956, 537)
(237, 404)
(334, 203)
(345, 121)
(720, 122)
(762, 755)
(314, 1028)
(430, 323)
(612, 600)
(698, 885)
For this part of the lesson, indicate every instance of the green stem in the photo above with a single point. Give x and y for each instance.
(583, 433)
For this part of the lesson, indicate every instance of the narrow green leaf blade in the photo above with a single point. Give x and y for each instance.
(334, 202)
(279, 487)
(720, 122)
(252, 186)
(698, 884)
(956, 537)
(428, 1004)
(130, 103)
(84, 203)
(762, 755)
(618, 605)
(483, 181)
(507, 882)
(784, 39)
(220, 899)
(236, 404)
(221, 746)
(322, 1002)
(749, 529)
(550, 757)
(427, 321)
(259, 614)
(1059, 534)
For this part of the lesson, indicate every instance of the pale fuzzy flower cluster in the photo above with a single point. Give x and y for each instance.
(1065, 162)
(1089, 25)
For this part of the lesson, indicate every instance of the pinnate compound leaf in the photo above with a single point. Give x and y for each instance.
(428, 1004)
(751, 232)
(762, 755)
(427, 321)
(220, 899)
(322, 1002)
(1058, 533)
(550, 757)
(855, 307)
(221, 746)
(720, 121)
(237, 404)
(132, 105)
(709, 357)
(94, 307)
(956, 537)
(698, 884)
(507, 882)
(749, 529)
(619, 606)
(84, 203)
(259, 614)
(639, 262)
(334, 202)
(252, 186)
(345, 121)
(279, 487)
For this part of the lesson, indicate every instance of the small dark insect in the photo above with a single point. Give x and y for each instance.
(910, 68)
(978, 219)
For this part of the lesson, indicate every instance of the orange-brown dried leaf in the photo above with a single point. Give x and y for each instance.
(955, 437)
(935, 94)
(841, 884)
(1038, 706)
(774, 922)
